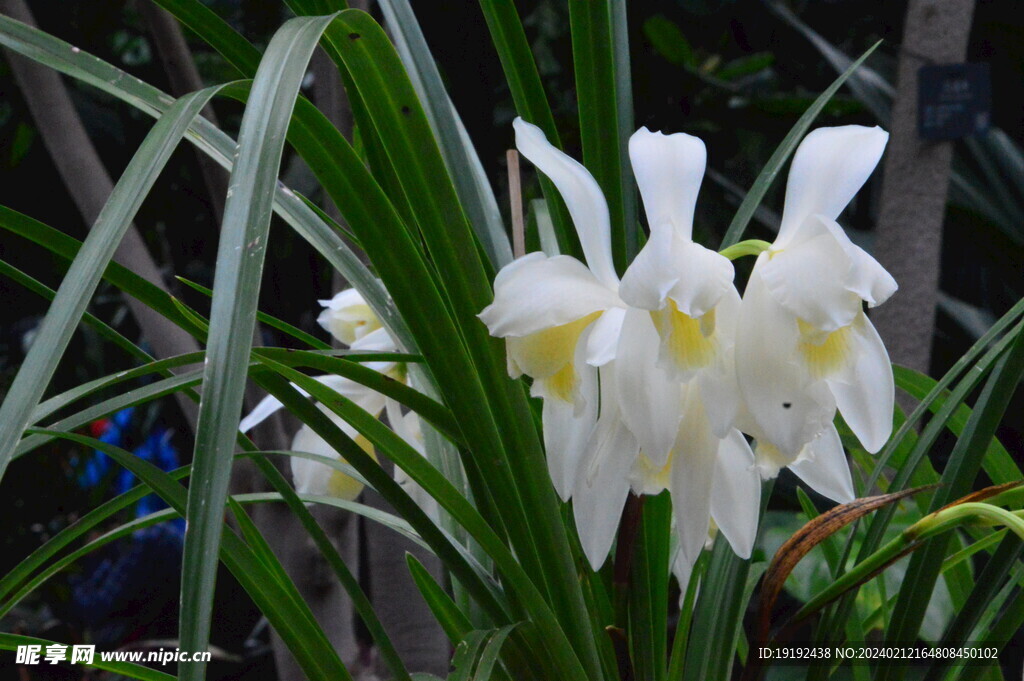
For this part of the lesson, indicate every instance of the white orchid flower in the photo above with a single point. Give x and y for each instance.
(348, 317)
(314, 477)
(350, 320)
(678, 280)
(552, 310)
(804, 345)
(561, 318)
(712, 479)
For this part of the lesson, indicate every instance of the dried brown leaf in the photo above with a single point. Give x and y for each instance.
(806, 538)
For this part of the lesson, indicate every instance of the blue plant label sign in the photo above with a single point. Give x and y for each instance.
(954, 100)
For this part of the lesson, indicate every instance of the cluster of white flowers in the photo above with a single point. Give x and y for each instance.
(650, 381)
(351, 321)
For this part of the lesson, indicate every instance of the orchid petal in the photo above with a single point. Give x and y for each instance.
(649, 399)
(693, 472)
(602, 484)
(824, 468)
(603, 342)
(719, 387)
(582, 195)
(682, 569)
(368, 399)
(535, 292)
(568, 427)
(313, 477)
(829, 167)
(788, 407)
(866, 277)
(652, 274)
(267, 406)
(736, 494)
(692, 276)
(808, 280)
(866, 398)
(668, 171)
(347, 316)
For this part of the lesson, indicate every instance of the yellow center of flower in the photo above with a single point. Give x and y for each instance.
(825, 353)
(345, 486)
(653, 479)
(352, 322)
(548, 356)
(689, 341)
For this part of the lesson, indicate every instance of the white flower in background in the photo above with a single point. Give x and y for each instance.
(348, 317)
(350, 320)
(804, 346)
(314, 477)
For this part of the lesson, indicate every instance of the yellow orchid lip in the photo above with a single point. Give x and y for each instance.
(689, 342)
(548, 355)
(825, 353)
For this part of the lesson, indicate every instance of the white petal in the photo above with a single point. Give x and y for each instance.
(650, 399)
(682, 569)
(652, 274)
(736, 494)
(582, 195)
(535, 292)
(568, 427)
(668, 171)
(788, 408)
(865, 397)
(809, 279)
(267, 406)
(375, 341)
(824, 468)
(865, 277)
(693, 472)
(368, 399)
(719, 387)
(829, 167)
(603, 341)
(694, 277)
(603, 481)
(344, 298)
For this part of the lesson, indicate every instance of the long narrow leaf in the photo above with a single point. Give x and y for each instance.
(82, 279)
(240, 257)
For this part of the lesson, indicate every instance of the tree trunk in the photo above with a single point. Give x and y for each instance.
(90, 185)
(915, 185)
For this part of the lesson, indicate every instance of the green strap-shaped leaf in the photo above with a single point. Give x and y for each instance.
(978, 369)
(531, 102)
(958, 476)
(596, 62)
(289, 616)
(83, 66)
(452, 620)
(240, 257)
(460, 157)
(84, 275)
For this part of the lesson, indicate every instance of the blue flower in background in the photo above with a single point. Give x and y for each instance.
(133, 574)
